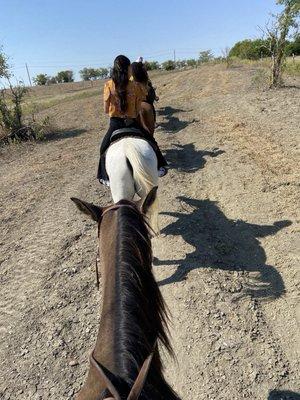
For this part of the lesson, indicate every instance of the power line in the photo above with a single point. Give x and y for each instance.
(28, 74)
(102, 62)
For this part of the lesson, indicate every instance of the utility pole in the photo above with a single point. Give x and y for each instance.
(174, 56)
(28, 74)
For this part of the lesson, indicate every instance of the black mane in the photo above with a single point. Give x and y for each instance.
(141, 311)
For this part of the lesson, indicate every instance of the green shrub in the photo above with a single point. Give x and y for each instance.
(11, 113)
(205, 56)
(41, 79)
(293, 47)
(251, 49)
(65, 76)
(91, 74)
(191, 62)
(13, 126)
(151, 65)
(168, 65)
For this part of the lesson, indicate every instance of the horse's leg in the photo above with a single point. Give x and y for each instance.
(120, 176)
(146, 117)
(145, 176)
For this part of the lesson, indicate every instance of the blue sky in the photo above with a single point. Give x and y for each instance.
(51, 35)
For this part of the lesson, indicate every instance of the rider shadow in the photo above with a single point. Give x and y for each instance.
(225, 244)
(172, 124)
(283, 395)
(186, 158)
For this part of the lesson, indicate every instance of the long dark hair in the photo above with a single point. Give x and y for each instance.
(139, 72)
(120, 77)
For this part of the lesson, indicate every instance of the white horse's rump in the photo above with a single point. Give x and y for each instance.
(124, 181)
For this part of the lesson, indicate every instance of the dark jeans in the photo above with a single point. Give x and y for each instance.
(118, 123)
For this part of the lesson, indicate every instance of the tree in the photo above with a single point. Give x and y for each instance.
(151, 65)
(191, 62)
(11, 112)
(85, 74)
(91, 74)
(65, 76)
(88, 74)
(4, 68)
(251, 49)
(278, 34)
(293, 47)
(180, 63)
(13, 125)
(10, 101)
(205, 56)
(41, 79)
(168, 65)
(103, 73)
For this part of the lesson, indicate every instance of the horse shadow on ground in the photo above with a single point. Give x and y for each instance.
(186, 158)
(225, 244)
(172, 124)
(283, 395)
(64, 134)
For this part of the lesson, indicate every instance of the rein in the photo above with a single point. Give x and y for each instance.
(114, 207)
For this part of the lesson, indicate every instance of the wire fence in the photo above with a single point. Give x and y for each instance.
(51, 68)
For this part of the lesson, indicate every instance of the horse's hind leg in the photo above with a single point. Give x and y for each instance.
(120, 176)
(146, 117)
(145, 182)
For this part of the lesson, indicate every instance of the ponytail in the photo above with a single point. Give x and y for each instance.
(120, 79)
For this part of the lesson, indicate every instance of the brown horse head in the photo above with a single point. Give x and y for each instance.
(96, 212)
(115, 391)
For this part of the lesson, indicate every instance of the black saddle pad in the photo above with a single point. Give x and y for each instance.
(126, 132)
(133, 133)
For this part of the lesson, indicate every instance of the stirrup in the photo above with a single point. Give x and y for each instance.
(104, 182)
(162, 172)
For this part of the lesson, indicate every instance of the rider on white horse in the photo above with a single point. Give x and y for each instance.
(122, 101)
(130, 164)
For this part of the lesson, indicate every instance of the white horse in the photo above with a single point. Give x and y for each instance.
(131, 164)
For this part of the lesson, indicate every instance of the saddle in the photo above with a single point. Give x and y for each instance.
(131, 132)
(126, 132)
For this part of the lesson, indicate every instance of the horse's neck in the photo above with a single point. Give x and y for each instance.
(120, 323)
(104, 348)
(117, 351)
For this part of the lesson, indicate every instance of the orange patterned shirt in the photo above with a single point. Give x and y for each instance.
(136, 93)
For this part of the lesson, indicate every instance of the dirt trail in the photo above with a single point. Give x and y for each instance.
(226, 260)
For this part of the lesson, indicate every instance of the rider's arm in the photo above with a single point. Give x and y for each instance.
(106, 98)
(106, 106)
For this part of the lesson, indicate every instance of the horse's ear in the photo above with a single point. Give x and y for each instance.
(140, 380)
(106, 377)
(149, 200)
(90, 209)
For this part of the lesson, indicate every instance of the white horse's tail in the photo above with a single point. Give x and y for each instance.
(145, 178)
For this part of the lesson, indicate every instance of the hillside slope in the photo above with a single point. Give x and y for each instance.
(226, 260)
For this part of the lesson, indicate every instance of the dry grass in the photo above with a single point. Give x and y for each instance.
(37, 104)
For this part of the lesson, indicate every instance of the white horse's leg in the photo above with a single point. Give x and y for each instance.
(144, 164)
(120, 176)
